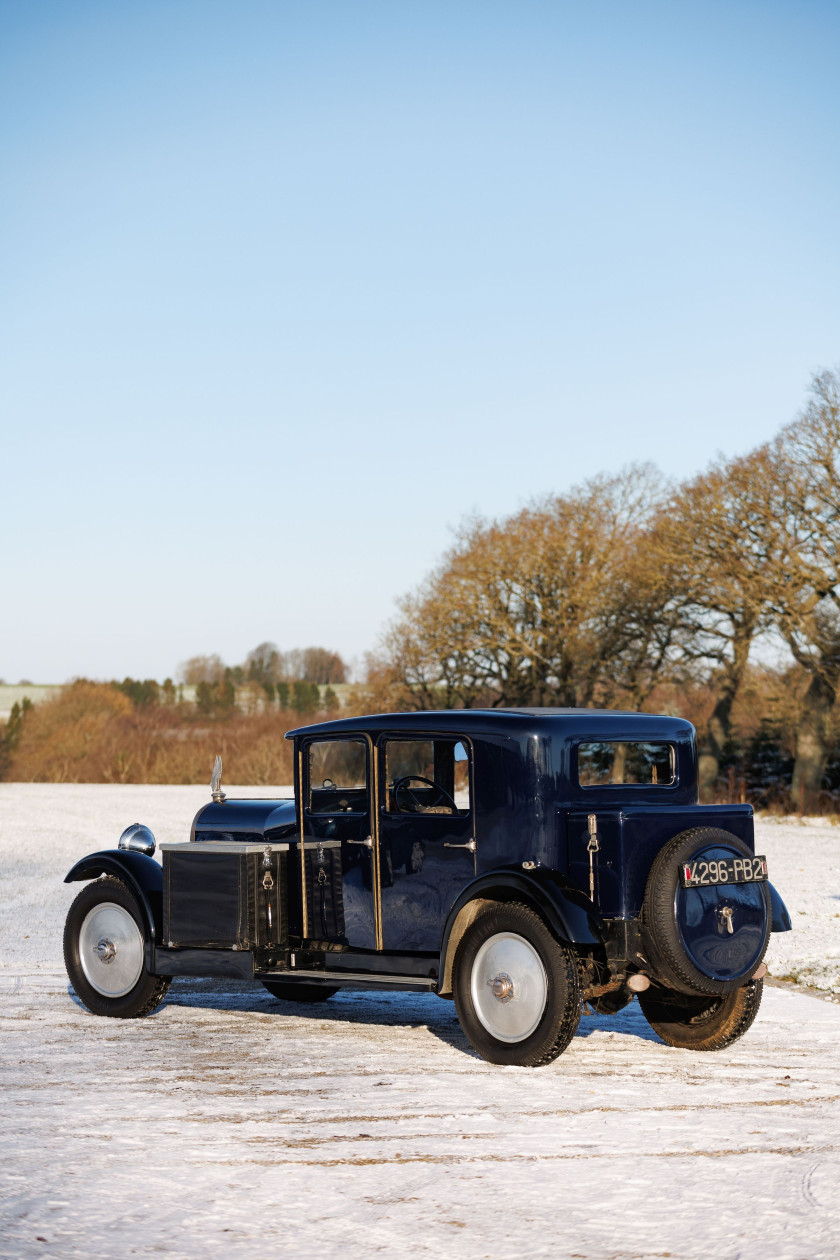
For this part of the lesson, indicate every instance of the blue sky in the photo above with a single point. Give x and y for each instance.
(287, 289)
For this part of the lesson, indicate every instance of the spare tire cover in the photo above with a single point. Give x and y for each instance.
(704, 940)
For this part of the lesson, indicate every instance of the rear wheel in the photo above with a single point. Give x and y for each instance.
(701, 1022)
(298, 992)
(104, 952)
(516, 987)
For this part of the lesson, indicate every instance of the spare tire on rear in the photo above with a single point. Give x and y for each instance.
(704, 940)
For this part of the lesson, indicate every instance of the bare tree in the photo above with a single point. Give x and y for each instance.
(267, 666)
(555, 605)
(807, 594)
(322, 666)
(721, 538)
(264, 664)
(198, 669)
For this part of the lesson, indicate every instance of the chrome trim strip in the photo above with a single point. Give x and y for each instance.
(420, 982)
(219, 846)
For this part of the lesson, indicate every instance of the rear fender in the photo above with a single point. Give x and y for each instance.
(781, 918)
(570, 915)
(141, 873)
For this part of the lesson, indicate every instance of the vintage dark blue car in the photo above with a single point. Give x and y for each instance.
(522, 862)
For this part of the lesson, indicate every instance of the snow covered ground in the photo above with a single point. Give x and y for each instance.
(232, 1124)
(804, 863)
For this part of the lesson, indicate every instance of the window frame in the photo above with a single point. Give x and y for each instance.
(423, 738)
(307, 792)
(645, 787)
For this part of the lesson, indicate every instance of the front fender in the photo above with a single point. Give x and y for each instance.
(781, 918)
(141, 873)
(570, 915)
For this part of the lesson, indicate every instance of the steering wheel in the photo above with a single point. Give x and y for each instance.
(402, 785)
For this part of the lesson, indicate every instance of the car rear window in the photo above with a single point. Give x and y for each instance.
(650, 764)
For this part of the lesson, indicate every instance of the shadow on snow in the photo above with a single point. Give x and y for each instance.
(367, 1007)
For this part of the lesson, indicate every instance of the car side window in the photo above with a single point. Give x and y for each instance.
(606, 762)
(426, 776)
(337, 776)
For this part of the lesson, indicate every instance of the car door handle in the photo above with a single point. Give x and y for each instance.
(367, 842)
(469, 845)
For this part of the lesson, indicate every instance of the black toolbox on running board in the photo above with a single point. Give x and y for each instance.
(225, 895)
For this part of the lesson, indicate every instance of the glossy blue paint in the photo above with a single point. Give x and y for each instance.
(566, 909)
(416, 902)
(630, 840)
(349, 831)
(703, 915)
(781, 918)
(245, 819)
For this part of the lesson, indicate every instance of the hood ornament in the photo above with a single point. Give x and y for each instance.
(216, 782)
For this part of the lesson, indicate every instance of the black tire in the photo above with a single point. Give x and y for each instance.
(298, 991)
(117, 985)
(701, 1022)
(670, 958)
(530, 965)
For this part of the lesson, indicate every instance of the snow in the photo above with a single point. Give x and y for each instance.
(233, 1124)
(804, 864)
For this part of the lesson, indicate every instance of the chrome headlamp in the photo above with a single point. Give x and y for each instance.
(138, 838)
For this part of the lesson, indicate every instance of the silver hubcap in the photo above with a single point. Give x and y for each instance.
(509, 987)
(111, 950)
(106, 950)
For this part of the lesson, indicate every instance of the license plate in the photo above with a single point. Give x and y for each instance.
(706, 872)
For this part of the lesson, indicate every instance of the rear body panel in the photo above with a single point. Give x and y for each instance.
(630, 839)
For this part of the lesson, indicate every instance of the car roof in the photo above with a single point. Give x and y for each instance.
(522, 721)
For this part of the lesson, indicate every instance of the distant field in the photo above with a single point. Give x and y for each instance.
(14, 694)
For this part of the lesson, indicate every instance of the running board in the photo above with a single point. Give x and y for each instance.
(332, 978)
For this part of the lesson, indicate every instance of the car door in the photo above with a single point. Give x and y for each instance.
(339, 832)
(426, 835)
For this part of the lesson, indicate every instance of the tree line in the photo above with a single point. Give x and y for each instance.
(290, 680)
(142, 731)
(628, 588)
(139, 730)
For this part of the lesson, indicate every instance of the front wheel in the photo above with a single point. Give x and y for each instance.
(701, 1022)
(104, 952)
(516, 987)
